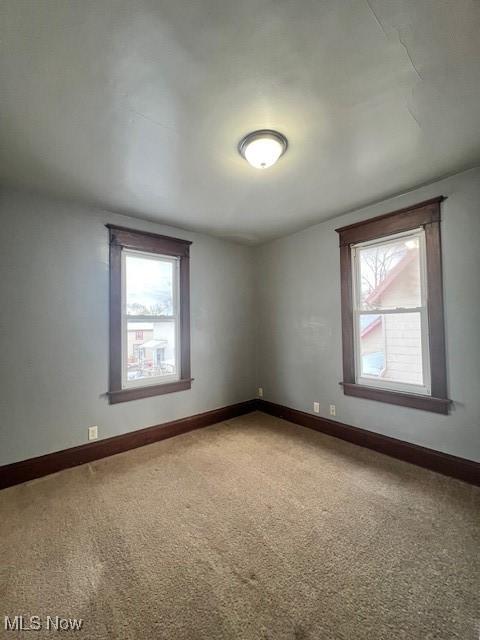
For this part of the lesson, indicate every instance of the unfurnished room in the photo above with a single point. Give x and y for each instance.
(240, 319)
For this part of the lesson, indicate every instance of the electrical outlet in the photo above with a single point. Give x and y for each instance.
(316, 407)
(333, 410)
(260, 392)
(92, 433)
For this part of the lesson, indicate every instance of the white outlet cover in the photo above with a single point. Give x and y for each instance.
(260, 392)
(92, 433)
(333, 410)
(316, 407)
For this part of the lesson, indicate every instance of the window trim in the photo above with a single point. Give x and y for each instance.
(132, 240)
(426, 215)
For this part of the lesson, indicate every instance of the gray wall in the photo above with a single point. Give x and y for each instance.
(276, 306)
(299, 333)
(54, 328)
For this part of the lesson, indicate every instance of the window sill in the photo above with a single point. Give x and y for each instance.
(136, 393)
(412, 400)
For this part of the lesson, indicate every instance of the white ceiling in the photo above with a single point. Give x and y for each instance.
(137, 106)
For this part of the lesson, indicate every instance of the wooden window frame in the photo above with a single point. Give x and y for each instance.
(124, 238)
(427, 215)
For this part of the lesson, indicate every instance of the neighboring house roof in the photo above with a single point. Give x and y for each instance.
(153, 344)
(392, 276)
(371, 326)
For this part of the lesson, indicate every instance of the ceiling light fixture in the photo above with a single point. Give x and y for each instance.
(262, 148)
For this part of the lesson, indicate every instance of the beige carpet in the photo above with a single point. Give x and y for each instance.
(253, 528)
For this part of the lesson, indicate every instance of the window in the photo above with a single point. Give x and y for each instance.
(392, 309)
(390, 314)
(149, 315)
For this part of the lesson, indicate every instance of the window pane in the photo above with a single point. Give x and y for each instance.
(391, 347)
(150, 350)
(390, 274)
(372, 345)
(149, 286)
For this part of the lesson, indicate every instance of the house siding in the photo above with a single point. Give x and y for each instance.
(403, 348)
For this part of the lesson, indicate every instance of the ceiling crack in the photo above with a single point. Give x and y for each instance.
(380, 24)
(413, 116)
(408, 54)
(376, 18)
(152, 120)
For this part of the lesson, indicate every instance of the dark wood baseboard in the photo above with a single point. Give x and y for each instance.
(24, 470)
(460, 468)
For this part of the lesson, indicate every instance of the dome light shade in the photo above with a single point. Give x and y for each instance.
(262, 148)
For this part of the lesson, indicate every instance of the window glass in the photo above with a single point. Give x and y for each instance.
(391, 347)
(150, 326)
(390, 274)
(154, 354)
(149, 286)
(391, 341)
